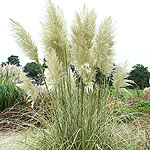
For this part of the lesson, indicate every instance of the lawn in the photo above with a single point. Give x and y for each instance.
(132, 94)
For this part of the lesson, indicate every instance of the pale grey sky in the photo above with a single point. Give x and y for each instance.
(132, 19)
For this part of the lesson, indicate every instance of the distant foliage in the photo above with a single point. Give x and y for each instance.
(140, 75)
(32, 71)
(143, 106)
(12, 60)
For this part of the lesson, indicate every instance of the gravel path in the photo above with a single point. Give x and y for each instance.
(6, 141)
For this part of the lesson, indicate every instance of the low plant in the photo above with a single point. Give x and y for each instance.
(142, 106)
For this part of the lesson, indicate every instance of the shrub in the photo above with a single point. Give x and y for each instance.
(142, 106)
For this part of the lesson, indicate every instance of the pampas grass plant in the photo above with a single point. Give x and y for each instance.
(9, 92)
(79, 117)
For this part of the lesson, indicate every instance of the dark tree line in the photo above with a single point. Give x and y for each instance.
(139, 73)
(12, 60)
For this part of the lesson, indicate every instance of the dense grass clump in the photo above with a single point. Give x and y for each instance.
(9, 92)
(85, 124)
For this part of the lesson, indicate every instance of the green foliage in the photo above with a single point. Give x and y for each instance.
(132, 94)
(140, 75)
(8, 92)
(12, 60)
(33, 71)
(143, 106)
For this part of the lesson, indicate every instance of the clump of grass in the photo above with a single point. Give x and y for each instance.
(80, 118)
(94, 128)
(9, 92)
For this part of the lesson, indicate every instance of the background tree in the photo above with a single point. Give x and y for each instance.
(140, 75)
(33, 71)
(12, 60)
(4, 64)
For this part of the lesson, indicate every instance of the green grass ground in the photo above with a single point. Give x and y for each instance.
(133, 94)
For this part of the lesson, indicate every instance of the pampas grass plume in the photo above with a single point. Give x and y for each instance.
(12, 72)
(83, 32)
(28, 87)
(54, 35)
(120, 76)
(24, 40)
(103, 52)
(53, 73)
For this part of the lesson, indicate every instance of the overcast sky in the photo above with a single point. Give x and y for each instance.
(132, 26)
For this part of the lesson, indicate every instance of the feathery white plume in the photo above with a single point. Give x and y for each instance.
(12, 71)
(120, 76)
(54, 35)
(83, 32)
(103, 52)
(23, 39)
(53, 72)
(27, 86)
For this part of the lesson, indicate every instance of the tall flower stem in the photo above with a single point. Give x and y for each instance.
(82, 109)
